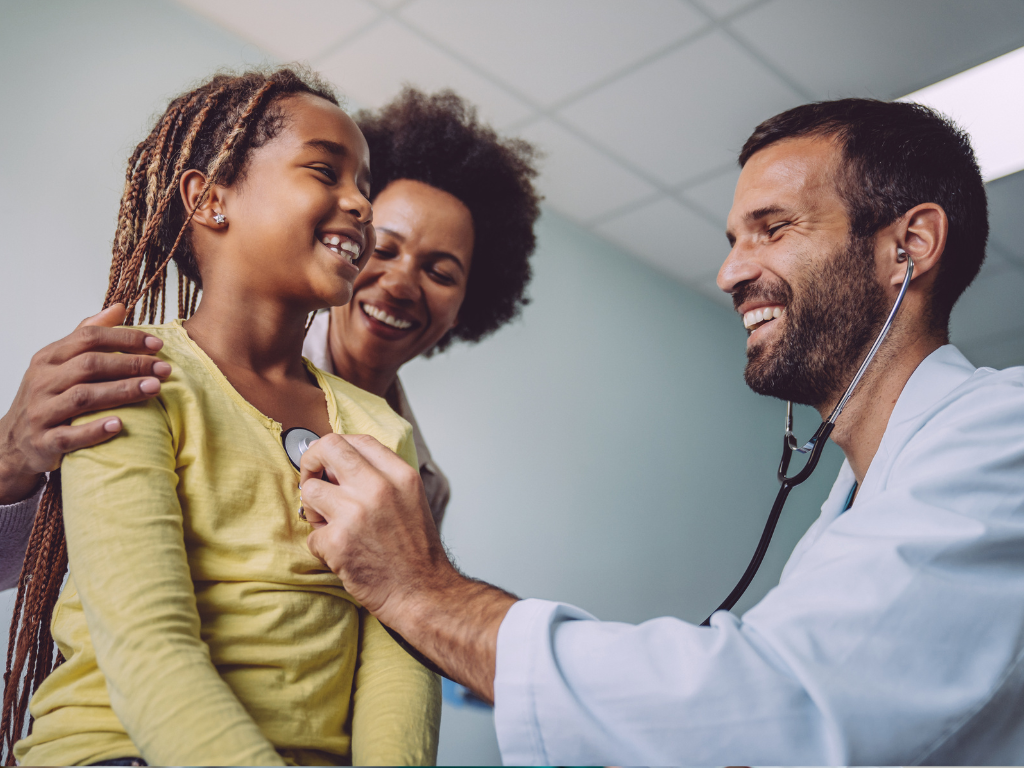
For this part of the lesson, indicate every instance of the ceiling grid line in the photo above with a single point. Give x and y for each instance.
(541, 111)
(618, 74)
(769, 65)
(346, 40)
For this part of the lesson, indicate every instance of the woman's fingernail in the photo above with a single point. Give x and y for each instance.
(150, 386)
(153, 342)
(162, 369)
(112, 425)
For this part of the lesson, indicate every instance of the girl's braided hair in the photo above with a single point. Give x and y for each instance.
(213, 128)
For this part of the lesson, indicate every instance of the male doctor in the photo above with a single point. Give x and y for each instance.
(896, 634)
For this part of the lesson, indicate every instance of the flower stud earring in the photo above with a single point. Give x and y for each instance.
(219, 218)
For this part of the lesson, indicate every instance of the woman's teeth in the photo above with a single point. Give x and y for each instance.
(758, 317)
(342, 247)
(384, 317)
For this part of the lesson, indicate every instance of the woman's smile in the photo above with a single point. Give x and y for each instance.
(391, 318)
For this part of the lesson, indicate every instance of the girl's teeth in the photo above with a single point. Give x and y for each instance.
(348, 249)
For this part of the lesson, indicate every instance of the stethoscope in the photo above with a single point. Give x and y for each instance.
(814, 447)
(296, 442)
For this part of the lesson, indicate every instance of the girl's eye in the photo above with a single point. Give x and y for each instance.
(328, 172)
(382, 253)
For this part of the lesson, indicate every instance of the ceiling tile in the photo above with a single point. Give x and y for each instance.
(284, 29)
(879, 48)
(674, 123)
(991, 306)
(722, 8)
(577, 179)
(715, 194)
(549, 49)
(671, 237)
(1006, 213)
(374, 66)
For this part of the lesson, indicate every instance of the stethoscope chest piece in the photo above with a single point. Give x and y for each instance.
(296, 442)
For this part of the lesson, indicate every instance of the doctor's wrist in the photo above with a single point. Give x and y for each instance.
(455, 623)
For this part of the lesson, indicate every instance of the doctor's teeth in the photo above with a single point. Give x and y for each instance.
(756, 317)
(384, 317)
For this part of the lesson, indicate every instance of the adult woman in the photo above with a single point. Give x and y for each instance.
(449, 196)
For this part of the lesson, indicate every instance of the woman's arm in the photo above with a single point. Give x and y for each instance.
(396, 703)
(127, 554)
(15, 527)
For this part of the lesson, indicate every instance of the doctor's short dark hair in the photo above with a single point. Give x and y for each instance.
(438, 140)
(898, 155)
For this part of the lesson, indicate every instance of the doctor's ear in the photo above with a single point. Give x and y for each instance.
(923, 231)
(211, 213)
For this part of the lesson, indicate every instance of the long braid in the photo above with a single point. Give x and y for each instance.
(209, 129)
(30, 651)
(224, 156)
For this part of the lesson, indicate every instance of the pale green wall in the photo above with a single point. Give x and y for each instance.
(602, 451)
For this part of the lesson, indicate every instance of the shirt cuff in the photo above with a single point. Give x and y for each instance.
(12, 516)
(525, 654)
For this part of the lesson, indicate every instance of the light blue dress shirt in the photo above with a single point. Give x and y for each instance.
(895, 635)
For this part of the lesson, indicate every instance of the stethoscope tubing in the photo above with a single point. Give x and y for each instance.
(814, 446)
(788, 484)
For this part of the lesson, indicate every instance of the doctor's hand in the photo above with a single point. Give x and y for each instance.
(76, 375)
(373, 528)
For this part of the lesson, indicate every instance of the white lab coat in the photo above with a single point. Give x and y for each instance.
(895, 636)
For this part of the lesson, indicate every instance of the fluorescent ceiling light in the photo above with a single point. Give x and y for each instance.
(988, 102)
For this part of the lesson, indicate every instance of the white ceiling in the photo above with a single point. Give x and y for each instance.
(642, 106)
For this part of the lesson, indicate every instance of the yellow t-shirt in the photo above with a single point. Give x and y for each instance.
(197, 627)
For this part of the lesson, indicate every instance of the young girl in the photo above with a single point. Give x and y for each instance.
(195, 624)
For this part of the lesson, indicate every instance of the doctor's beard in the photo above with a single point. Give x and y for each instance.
(828, 328)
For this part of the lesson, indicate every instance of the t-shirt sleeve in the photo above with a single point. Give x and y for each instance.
(396, 703)
(127, 557)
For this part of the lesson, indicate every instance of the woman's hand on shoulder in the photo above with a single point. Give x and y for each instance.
(79, 374)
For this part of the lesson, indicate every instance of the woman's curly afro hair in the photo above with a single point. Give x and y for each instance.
(437, 139)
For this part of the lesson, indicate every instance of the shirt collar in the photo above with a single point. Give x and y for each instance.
(317, 349)
(940, 373)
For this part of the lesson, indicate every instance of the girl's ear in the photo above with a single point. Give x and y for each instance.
(211, 213)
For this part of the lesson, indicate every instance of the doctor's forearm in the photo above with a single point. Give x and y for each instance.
(455, 624)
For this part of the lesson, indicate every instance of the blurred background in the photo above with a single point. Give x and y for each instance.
(603, 450)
